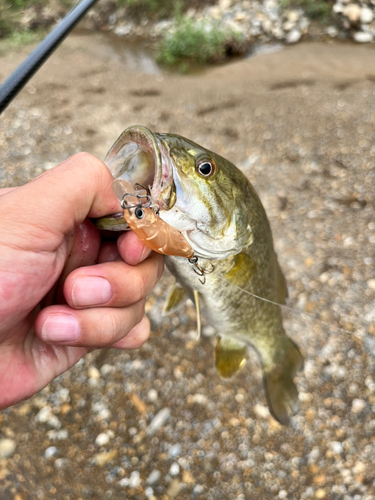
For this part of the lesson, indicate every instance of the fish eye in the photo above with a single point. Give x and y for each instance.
(205, 168)
(139, 213)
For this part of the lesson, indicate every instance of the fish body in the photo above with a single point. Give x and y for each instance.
(217, 210)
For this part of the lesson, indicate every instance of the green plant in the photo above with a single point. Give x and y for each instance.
(20, 38)
(319, 10)
(196, 41)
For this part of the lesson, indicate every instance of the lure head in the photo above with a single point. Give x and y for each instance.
(197, 191)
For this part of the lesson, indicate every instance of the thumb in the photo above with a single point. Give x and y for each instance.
(49, 207)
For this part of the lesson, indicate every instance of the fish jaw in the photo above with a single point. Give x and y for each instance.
(137, 158)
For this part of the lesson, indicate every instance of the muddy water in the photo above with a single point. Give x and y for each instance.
(301, 124)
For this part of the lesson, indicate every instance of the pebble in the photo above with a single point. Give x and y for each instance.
(94, 373)
(61, 434)
(358, 405)
(174, 469)
(320, 493)
(174, 450)
(371, 284)
(336, 447)
(61, 463)
(51, 452)
(101, 459)
(362, 37)
(366, 15)
(135, 479)
(261, 411)
(107, 370)
(159, 420)
(293, 36)
(7, 448)
(152, 395)
(352, 12)
(174, 488)
(102, 439)
(153, 477)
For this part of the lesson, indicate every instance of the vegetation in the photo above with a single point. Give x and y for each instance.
(197, 41)
(319, 10)
(159, 9)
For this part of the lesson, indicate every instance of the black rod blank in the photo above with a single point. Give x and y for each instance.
(18, 79)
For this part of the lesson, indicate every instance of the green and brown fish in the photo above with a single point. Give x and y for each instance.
(219, 213)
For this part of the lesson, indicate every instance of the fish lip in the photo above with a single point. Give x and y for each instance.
(162, 187)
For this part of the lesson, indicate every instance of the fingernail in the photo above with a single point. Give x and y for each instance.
(91, 291)
(61, 327)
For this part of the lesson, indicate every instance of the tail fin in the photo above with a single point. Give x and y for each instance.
(281, 391)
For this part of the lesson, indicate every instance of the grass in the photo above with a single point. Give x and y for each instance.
(195, 41)
(157, 9)
(320, 10)
(20, 38)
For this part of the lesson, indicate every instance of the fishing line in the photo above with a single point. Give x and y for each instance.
(284, 306)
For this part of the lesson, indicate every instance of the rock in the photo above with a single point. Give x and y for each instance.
(123, 30)
(152, 395)
(352, 12)
(174, 469)
(107, 370)
(45, 415)
(288, 26)
(362, 37)
(174, 488)
(371, 284)
(225, 4)
(102, 439)
(103, 458)
(366, 15)
(94, 373)
(52, 451)
(261, 411)
(293, 16)
(338, 8)
(332, 31)
(60, 435)
(336, 447)
(61, 463)
(174, 450)
(153, 477)
(134, 480)
(320, 493)
(7, 448)
(358, 405)
(159, 420)
(293, 36)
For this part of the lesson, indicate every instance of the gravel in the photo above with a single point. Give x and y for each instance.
(301, 125)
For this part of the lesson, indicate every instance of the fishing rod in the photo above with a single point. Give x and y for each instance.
(18, 79)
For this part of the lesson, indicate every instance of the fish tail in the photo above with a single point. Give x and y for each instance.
(281, 391)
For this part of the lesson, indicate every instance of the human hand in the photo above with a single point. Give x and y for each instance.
(62, 291)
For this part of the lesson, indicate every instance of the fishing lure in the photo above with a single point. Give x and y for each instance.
(147, 225)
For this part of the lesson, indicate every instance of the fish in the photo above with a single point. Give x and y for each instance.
(218, 212)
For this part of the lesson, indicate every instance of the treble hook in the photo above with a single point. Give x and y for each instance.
(140, 196)
(199, 270)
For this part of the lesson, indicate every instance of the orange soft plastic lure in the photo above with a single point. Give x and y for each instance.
(149, 227)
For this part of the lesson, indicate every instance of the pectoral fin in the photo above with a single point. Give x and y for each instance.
(176, 297)
(230, 357)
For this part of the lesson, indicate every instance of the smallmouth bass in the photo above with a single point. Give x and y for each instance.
(217, 210)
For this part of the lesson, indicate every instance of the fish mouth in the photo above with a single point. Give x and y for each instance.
(139, 157)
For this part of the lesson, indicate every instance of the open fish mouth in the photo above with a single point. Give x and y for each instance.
(139, 157)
